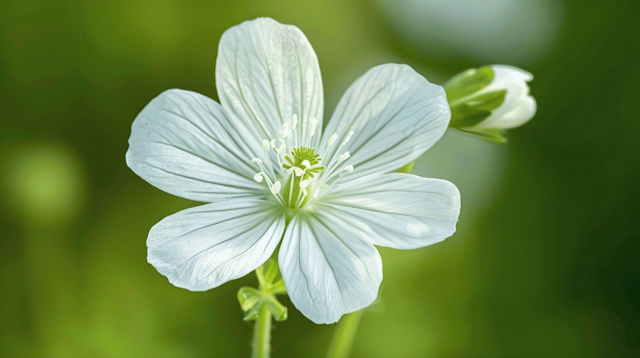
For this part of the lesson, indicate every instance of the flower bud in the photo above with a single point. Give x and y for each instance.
(488, 100)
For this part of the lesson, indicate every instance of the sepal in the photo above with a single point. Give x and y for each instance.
(251, 300)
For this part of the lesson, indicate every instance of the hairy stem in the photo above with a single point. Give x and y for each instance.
(261, 345)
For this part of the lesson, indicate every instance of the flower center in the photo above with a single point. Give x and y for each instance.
(300, 170)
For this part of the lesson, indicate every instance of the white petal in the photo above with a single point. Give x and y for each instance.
(328, 267)
(396, 115)
(203, 247)
(265, 73)
(514, 80)
(185, 144)
(522, 113)
(397, 210)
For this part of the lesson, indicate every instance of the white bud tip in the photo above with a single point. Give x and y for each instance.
(332, 139)
(265, 145)
(299, 172)
(344, 157)
(258, 178)
(306, 164)
(257, 160)
(294, 121)
(348, 137)
(348, 169)
(275, 189)
(304, 184)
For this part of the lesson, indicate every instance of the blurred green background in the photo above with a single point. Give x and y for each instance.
(545, 260)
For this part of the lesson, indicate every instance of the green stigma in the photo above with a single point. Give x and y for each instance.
(304, 158)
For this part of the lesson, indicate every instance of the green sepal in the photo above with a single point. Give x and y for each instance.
(468, 82)
(475, 109)
(252, 300)
(248, 297)
(498, 136)
(407, 168)
(276, 308)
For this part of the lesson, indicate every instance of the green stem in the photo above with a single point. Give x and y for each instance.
(344, 335)
(262, 334)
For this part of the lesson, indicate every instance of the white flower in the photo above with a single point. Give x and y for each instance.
(518, 106)
(328, 218)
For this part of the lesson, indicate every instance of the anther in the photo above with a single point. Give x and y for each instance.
(348, 137)
(284, 131)
(257, 160)
(258, 177)
(299, 172)
(332, 139)
(275, 188)
(265, 145)
(348, 169)
(306, 164)
(344, 157)
(294, 121)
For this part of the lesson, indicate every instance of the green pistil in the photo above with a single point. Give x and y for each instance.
(300, 155)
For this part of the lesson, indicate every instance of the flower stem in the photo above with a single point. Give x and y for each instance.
(261, 345)
(344, 335)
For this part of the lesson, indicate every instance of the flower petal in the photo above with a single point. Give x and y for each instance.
(396, 210)
(185, 144)
(514, 80)
(328, 267)
(265, 73)
(522, 113)
(395, 114)
(203, 247)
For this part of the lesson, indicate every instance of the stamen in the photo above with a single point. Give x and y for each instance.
(258, 177)
(344, 157)
(348, 169)
(304, 184)
(332, 139)
(284, 131)
(294, 121)
(275, 188)
(348, 137)
(257, 160)
(273, 143)
(265, 145)
(306, 164)
(299, 172)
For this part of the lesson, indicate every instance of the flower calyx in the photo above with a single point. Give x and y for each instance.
(270, 284)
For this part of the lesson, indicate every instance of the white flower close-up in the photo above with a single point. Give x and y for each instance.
(518, 106)
(273, 178)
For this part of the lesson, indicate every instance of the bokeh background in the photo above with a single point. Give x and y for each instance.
(545, 259)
